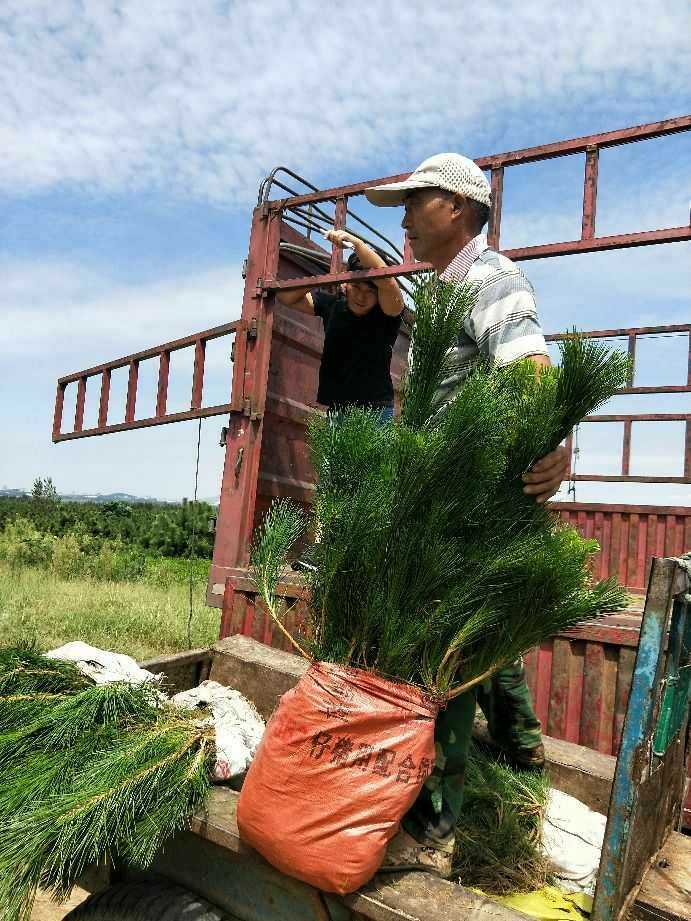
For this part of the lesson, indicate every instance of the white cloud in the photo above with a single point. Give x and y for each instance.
(203, 98)
(69, 310)
(59, 318)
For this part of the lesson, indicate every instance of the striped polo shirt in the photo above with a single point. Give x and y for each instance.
(503, 325)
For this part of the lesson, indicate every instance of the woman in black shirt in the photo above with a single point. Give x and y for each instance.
(360, 329)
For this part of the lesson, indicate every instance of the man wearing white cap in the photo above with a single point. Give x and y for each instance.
(447, 203)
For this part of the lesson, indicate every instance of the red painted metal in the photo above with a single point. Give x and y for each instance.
(494, 228)
(518, 157)
(175, 345)
(580, 680)
(581, 145)
(79, 408)
(632, 336)
(629, 536)
(339, 224)
(105, 396)
(589, 194)
(132, 381)
(600, 244)
(243, 441)
(59, 406)
(632, 357)
(163, 352)
(198, 376)
(524, 253)
(163, 375)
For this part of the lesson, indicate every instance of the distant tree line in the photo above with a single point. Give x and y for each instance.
(166, 530)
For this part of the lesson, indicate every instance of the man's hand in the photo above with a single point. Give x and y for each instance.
(546, 475)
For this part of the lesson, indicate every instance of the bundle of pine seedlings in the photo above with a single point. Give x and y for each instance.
(90, 773)
(499, 833)
(432, 566)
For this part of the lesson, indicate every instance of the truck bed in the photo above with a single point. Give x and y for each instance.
(212, 860)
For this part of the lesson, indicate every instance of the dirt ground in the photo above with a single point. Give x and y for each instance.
(46, 910)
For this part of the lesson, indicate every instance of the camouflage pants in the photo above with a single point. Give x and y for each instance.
(507, 705)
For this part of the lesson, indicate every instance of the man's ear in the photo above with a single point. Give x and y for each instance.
(458, 205)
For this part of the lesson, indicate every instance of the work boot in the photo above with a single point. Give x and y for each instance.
(526, 759)
(405, 853)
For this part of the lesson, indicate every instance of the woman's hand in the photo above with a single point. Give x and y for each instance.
(343, 238)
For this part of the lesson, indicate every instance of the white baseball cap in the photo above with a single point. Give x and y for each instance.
(449, 171)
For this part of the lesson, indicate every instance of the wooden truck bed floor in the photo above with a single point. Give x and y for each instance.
(212, 860)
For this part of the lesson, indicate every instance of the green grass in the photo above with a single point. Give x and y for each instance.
(141, 619)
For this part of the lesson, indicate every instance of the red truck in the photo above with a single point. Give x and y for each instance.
(581, 681)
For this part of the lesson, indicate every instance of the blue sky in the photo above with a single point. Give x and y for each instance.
(134, 136)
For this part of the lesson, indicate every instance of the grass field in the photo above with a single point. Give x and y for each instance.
(140, 619)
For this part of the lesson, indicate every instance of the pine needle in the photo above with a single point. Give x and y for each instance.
(105, 772)
(23, 670)
(282, 527)
(499, 834)
(433, 566)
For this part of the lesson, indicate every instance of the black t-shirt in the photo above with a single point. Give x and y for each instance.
(356, 361)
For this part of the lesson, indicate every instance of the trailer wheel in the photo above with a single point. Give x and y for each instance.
(154, 900)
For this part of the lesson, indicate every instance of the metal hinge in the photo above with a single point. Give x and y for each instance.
(249, 410)
(238, 461)
(224, 437)
(245, 263)
(252, 329)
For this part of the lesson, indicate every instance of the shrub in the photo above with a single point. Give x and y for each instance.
(22, 544)
(68, 558)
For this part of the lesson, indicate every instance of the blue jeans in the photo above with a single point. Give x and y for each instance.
(384, 414)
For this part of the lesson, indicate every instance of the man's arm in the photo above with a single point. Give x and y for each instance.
(390, 299)
(547, 474)
(507, 329)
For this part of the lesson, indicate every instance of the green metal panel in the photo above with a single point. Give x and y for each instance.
(647, 791)
(677, 682)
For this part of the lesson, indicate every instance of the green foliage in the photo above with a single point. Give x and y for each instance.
(79, 555)
(165, 530)
(43, 490)
(432, 565)
(23, 670)
(67, 559)
(499, 833)
(89, 774)
(142, 618)
(441, 308)
(22, 544)
(281, 528)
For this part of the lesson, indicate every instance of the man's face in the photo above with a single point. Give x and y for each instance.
(429, 221)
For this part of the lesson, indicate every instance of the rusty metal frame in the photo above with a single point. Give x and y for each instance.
(632, 335)
(161, 416)
(589, 242)
(590, 145)
(253, 346)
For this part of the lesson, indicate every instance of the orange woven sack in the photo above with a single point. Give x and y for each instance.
(342, 760)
